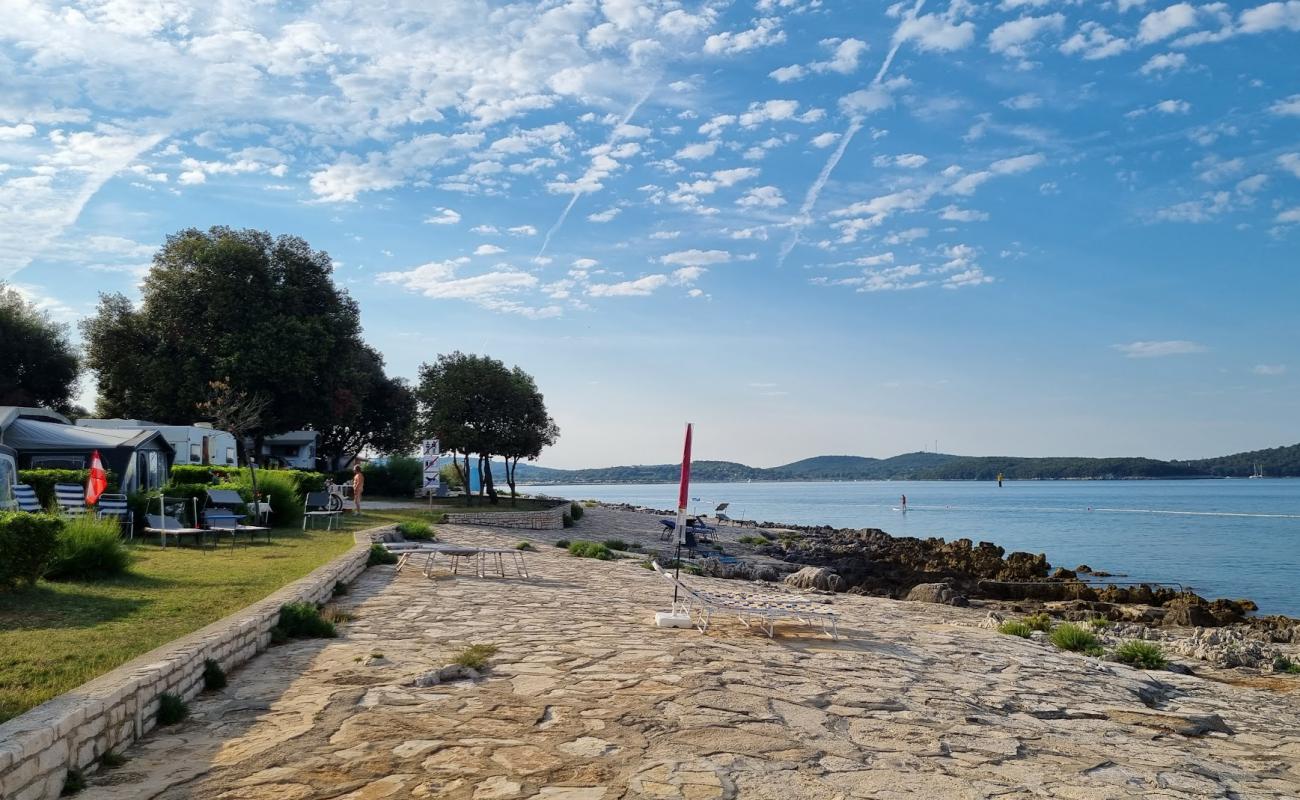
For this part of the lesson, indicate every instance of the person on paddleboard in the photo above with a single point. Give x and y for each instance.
(902, 503)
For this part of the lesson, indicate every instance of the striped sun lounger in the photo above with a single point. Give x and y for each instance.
(763, 609)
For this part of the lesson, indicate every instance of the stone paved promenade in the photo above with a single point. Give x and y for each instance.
(587, 700)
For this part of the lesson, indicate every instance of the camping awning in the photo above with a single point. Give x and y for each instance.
(30, 434)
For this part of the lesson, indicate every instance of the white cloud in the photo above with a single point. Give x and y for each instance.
(696, 258)
(1271, 370)
(1013, 39)
(955, 214)
(604, 216)
(488, 250)
(1094, 42)
(491, 290)
(934, 32)
(697, 151)
(1288, 107)
(1290, 162)
(1176, 347)
(522, 230)
(1165, 23)
(843, 60)
(1289, 217)
(762, 197)
(1023, 102)
(640, 287)
(967, 184)
(1164, 63)
(1195, 211)
(665, 234)
(904, 160)
(824, 140)
(444, 216)
(485, 230)
(766, 31)
(9, 133)
(1163, 107)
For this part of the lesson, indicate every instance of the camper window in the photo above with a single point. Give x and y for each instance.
(6, 479)
(58, 462)
(230, 455)
(196, 454)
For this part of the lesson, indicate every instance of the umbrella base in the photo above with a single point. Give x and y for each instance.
(673, 619)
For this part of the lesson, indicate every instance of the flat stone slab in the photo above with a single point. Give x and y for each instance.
(587, 699)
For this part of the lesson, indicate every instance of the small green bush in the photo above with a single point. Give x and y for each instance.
(398, 476)
(568, 520)
(1099, 623)
(475, 656)
(89, 549)
(562, 543)
(303, 621)
(28, 543)
(415, 530)
(1069, 636)
(1015, 628)
(340, 589)
(73, 782)
(754, 540)
(595, 550)
(214, 677)
(379, 555)
(1039, 622)
(616, 544)
(1286, 665)
(525, 546)
(1143, 655)
(111, 760)
(576, 511)
(172, 709)
(192, 473)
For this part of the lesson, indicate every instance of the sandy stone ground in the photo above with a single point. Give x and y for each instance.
(587, 700)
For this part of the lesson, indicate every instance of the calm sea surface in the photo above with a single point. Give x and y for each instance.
(1224, 538)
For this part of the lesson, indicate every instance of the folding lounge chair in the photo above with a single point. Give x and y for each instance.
(718, 512)
(317, 506)
(164, 524)
(221, 515)
(25, 497)
(71, 499)
(114, 506)
(765, 610)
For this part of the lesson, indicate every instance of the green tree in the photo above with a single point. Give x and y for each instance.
(38, 366)
(369, 411)
(528, 428)
(256, 313)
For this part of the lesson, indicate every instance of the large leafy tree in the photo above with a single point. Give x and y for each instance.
(369, 411)
(528, 427)
(240, 313)
(38, 365)
(475, 406)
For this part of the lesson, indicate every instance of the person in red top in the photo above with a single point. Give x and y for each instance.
(358, 488)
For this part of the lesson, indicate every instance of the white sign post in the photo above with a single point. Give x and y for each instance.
(430, 449)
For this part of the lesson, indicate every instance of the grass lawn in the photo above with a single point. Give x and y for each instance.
(59, 635)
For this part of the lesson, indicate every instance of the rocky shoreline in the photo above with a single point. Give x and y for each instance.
(869, 561)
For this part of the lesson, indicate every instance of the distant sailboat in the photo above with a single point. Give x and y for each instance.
(1258, 473)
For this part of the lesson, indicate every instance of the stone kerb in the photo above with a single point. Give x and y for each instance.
(38, 748)
(549, 519)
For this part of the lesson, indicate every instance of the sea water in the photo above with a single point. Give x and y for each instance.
(1221, 538)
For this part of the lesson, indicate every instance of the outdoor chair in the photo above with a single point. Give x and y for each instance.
(164, 524)
(115, 506)
(718, 512)
(481, 557)
(260, 512)
(25, 497)
(221, 516)
(765, 610)
(71, 499)
(317, 506)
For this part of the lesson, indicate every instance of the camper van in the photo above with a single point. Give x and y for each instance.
(8, 475)
(199, 443)
(43, 439)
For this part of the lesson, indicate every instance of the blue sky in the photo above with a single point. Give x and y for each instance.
(1027, 227)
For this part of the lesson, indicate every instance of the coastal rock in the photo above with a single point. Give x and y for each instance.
(936, 593)
(816, 578)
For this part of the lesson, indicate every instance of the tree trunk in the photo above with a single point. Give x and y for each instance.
(488, 483)
(510, 477)
(464, 478)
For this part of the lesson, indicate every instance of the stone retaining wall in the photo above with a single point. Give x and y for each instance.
(549, 519)
(110, 712)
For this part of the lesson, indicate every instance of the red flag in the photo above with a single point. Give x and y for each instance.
(98, 480)
(684, 493)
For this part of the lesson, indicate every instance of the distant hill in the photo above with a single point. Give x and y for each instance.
(1278, 462)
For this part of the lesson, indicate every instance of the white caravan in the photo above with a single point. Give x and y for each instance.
(199, 443)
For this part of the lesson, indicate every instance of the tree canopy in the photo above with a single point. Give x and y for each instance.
(477, 406)
(242, 314)
(38, 365)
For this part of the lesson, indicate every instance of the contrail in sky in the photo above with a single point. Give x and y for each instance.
(855, 124)
(546, 242)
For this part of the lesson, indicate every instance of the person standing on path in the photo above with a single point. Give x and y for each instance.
(358, 487)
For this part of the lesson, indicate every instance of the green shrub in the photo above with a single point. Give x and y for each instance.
(399, 476)
(616, 544)
(754, 540)
(1015, 628)
(575, 511)
(171, 709)
(562, 543)
(525, 546)
(111, 759)
(596, 550)
(1038, 622)
(475, 656)
(73, 782)
(192, 473)
(1286, 665)
(413, 529)
(42, 481)
(303, 621)
(568, 520)
(89, 548)
(214, 677)
(339, 590)
(28, 543)
(450, 476)
(1143, 655)
(1099, 623)
(379, 555)
(1069, 636)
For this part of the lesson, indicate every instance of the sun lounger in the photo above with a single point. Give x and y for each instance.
(222, 516)
(481, 557)
(25, 497)
(170, 526)
(71, 498)
(317, 506)
(718, 512)
(114, 506)
(765, 610)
